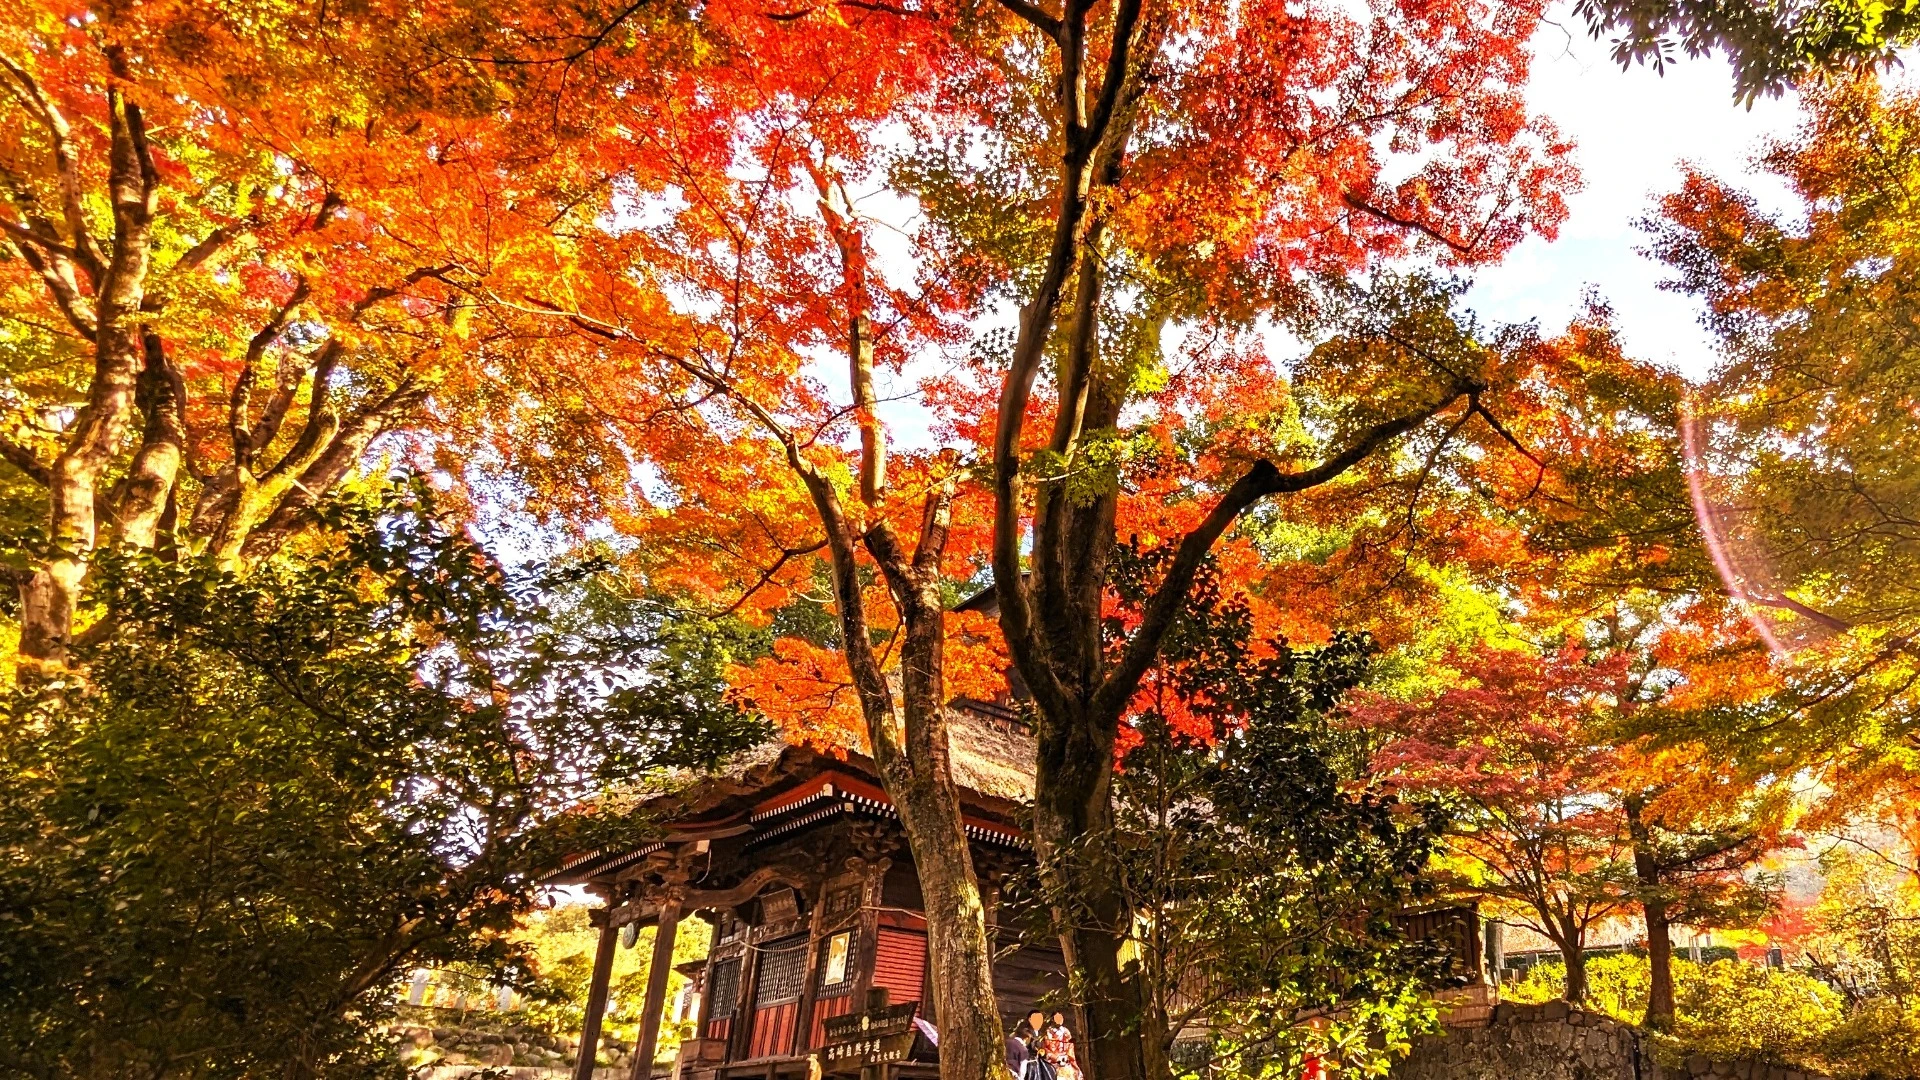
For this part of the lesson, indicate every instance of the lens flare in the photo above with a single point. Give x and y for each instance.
(1740, 576)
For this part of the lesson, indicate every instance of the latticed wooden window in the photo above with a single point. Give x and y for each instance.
(725, 992)
(783, 969)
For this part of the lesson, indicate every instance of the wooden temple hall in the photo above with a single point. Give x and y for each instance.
(798, 862)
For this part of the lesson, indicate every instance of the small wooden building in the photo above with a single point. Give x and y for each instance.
(798, 861)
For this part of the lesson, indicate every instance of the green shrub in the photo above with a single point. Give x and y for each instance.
(1730, 1010)
(1616, 985)
(1879, 1039)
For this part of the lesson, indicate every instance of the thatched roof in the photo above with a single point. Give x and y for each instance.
(993, 756)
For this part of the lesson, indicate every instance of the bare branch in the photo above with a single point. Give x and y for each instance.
(1362, 205)
(786, 556)
(414, 277)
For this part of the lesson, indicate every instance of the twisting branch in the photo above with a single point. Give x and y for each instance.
(246, 444)
(1476, 408)
(786, 555)
(414, 277)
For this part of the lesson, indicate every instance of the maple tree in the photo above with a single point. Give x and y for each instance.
(1519, 741)
(1695, 826)
(1611, 555)
(1185, 215)
(1799, 445)
(245, 241)
(1148, 184)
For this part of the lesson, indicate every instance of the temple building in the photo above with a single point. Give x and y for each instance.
(819, 947)
(798, 860)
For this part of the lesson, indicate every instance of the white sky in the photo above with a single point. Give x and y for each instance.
(1632, 129)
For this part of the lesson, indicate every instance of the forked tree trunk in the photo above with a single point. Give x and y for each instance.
(911, 752)
(50, 597)
(918, 775)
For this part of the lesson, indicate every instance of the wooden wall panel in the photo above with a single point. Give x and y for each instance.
(1025, 977)
(900, 963)
(776, 998)
(773, 1029)
(823, 1009)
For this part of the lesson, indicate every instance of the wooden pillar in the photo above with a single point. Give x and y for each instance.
(661, 967)
(741, 1038)
(597, 994)
(810, 972)
(872, 891)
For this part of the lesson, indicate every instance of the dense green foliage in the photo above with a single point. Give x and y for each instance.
(1262, 869)
(274, 794)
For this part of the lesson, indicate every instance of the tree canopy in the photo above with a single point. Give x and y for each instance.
(281, 792)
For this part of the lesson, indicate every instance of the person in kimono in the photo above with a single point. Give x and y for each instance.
(1056, 1043)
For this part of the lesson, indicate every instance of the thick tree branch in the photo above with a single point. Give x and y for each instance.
(86, 250)
(1124, 70)
(246, 443)
(325, 467)
(26, 461)
(321, 422)
(40, 246)
(1262, 480)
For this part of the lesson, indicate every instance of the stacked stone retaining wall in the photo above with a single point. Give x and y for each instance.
(1555, 1042)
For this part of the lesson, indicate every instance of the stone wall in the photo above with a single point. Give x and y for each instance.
(1554, 1042)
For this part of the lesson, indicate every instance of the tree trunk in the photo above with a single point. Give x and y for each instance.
(1653, 903)
(1660, 966)
(1575, 956)
(148, 488)
(961, 953)
(912, 755)
(51, 595)
(919, 779)
(1073, 831)
(49, 599)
